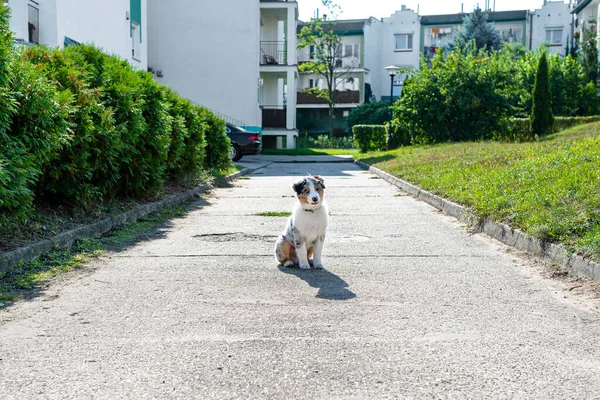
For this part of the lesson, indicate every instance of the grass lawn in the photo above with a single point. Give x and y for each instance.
(550, 188)
(310, 152)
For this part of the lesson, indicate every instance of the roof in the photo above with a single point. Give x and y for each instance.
(348, 26)
(493, 16)
(580, 5)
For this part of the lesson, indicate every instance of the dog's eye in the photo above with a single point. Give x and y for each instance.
(305, 190)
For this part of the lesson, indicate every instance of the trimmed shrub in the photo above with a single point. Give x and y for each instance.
(38, 129)
(78, 126)
(519, 129)
(217, 142)
(370, 137)
(75, 175)
(323, 141)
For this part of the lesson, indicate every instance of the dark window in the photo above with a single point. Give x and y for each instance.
(33, 24)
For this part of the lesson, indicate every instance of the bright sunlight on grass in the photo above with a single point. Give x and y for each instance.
(550, 188)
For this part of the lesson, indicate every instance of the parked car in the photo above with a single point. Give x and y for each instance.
(243, 142)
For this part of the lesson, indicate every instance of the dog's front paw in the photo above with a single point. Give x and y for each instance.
(304, 266)
(318, 265)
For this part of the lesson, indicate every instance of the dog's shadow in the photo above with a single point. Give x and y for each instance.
(331, 286)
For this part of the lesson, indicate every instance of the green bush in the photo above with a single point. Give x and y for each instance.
(217, 142)
(77, 171)
(519, 129)
(369, 113)
(323, 141)
(466, 96)
(370, 137)
(471, 95)
(78, 126)
(194, 155)
(37, 130)
(399, 135)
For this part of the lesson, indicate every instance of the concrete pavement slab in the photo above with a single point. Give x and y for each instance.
(410, 305)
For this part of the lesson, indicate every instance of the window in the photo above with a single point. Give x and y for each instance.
(404, 41)
(554, 36)
(33, 24)
(351, 50)
(135, 41)
(312, 54)
(511, 35)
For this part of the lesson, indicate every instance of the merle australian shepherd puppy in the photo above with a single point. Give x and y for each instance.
(304, 231)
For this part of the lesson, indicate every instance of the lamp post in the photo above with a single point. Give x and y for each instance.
(393, 71)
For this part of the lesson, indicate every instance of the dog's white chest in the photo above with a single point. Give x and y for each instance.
(311, 224)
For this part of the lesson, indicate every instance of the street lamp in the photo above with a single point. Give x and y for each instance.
(393, 71)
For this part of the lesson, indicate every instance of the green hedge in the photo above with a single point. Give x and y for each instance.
(518, 129)
(78, 126)
(370, 137)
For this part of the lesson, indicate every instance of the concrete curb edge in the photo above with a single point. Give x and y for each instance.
(501, 232)
(32, 251)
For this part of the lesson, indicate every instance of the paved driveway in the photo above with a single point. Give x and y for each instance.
(410, 305)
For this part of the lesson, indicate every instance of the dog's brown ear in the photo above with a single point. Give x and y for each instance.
(320, 180)
(299, 186)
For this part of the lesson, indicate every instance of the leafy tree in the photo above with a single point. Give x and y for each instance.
(475, 27)
(324, 41)
(541, 110)
(370, 113)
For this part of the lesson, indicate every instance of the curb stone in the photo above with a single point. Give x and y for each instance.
(516, 238)
(32, 251)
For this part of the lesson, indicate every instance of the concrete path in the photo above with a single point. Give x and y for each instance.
(410, 305)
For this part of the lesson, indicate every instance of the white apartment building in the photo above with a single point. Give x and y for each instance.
(117, 26)
(393, 41)
(551, 25)
(237, 58)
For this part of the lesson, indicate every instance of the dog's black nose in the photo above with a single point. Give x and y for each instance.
(315, 199)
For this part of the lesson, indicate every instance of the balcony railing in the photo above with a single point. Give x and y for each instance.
(341, 97)
(274, 116)
(273, 53)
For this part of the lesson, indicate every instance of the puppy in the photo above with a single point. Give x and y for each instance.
(304, 232)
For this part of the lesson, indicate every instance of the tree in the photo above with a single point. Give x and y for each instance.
(541, 117)
(475, 27)
(324, 42)
(369, 113)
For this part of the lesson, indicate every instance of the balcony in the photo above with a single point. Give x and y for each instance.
(341, 97)
(274, 116)
(273, 53)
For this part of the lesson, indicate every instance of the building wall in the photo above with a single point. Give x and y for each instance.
(401, 22)
(372, 55)
(553, 15)
(102, 23)
(208, 54)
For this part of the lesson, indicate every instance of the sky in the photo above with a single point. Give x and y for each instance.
(356, 9)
